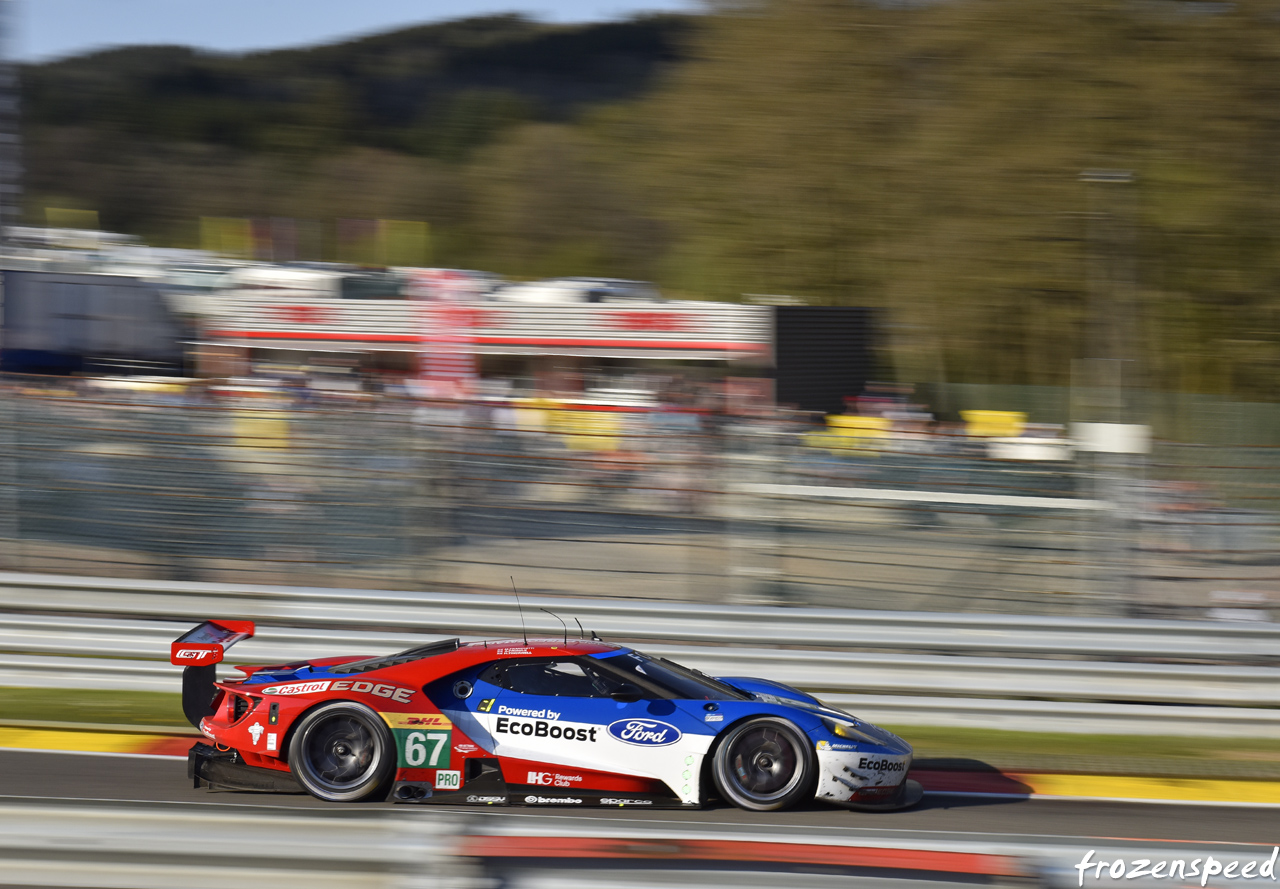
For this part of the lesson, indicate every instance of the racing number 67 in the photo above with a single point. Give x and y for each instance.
(415, 748)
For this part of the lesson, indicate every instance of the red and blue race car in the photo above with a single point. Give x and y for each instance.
(544, 722)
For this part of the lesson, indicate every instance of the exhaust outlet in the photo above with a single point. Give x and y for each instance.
(410, 791)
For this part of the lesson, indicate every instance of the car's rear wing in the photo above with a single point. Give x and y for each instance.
(207, 643)
(199, 649)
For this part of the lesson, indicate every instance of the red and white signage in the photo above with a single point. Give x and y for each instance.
(446, 362)
(452, 330)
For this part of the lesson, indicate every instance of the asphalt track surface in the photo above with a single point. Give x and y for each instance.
(35, 775)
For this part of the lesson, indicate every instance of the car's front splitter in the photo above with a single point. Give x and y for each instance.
(909, 793)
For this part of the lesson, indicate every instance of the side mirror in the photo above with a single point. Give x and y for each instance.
(626, 693)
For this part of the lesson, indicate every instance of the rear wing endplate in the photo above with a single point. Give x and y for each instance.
(199, 649)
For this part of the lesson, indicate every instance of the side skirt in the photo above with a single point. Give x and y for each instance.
(485, 786)
(527, 795)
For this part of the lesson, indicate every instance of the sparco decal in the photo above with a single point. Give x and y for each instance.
(881, 765)
(610, 801)
(556, 800)
(644, 732)
(541, 729)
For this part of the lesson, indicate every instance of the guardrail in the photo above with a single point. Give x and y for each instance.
(1055, 674)
(493, 616)
(822, 672)
(60, 650)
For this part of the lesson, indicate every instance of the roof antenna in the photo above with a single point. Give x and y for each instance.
(521, 610)
(562, 623)
(582, 634)
(594, 637)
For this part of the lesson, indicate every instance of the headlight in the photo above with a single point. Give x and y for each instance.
(850, 731)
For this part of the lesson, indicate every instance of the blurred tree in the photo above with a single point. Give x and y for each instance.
(927, 158)
(551, 202)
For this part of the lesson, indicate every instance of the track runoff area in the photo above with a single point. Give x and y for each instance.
(995, 831)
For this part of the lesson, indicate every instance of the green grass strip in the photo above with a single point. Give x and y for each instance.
(106, 707)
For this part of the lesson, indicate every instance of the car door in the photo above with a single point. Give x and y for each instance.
(545, 710)
(579, 712)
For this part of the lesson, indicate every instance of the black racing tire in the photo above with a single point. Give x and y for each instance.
(343, 752)
(765, 764)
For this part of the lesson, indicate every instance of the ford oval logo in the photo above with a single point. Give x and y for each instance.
(644, 732)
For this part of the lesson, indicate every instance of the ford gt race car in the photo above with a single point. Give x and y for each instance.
(542, 722)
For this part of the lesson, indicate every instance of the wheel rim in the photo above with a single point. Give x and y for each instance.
(764, 763)
(341, 753)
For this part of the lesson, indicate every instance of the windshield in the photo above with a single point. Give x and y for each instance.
(673, 679)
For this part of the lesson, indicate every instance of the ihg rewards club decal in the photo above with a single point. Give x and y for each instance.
(423, 740)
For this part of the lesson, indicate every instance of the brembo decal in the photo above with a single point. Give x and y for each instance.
(552, 800)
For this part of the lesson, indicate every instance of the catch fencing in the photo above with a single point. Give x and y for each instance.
(822, 672)
(672, 504)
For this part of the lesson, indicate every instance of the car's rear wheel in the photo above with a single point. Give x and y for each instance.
(764, 764)
(343, 753)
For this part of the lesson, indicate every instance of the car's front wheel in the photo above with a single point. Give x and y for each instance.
(764, 764)
(343, 753)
